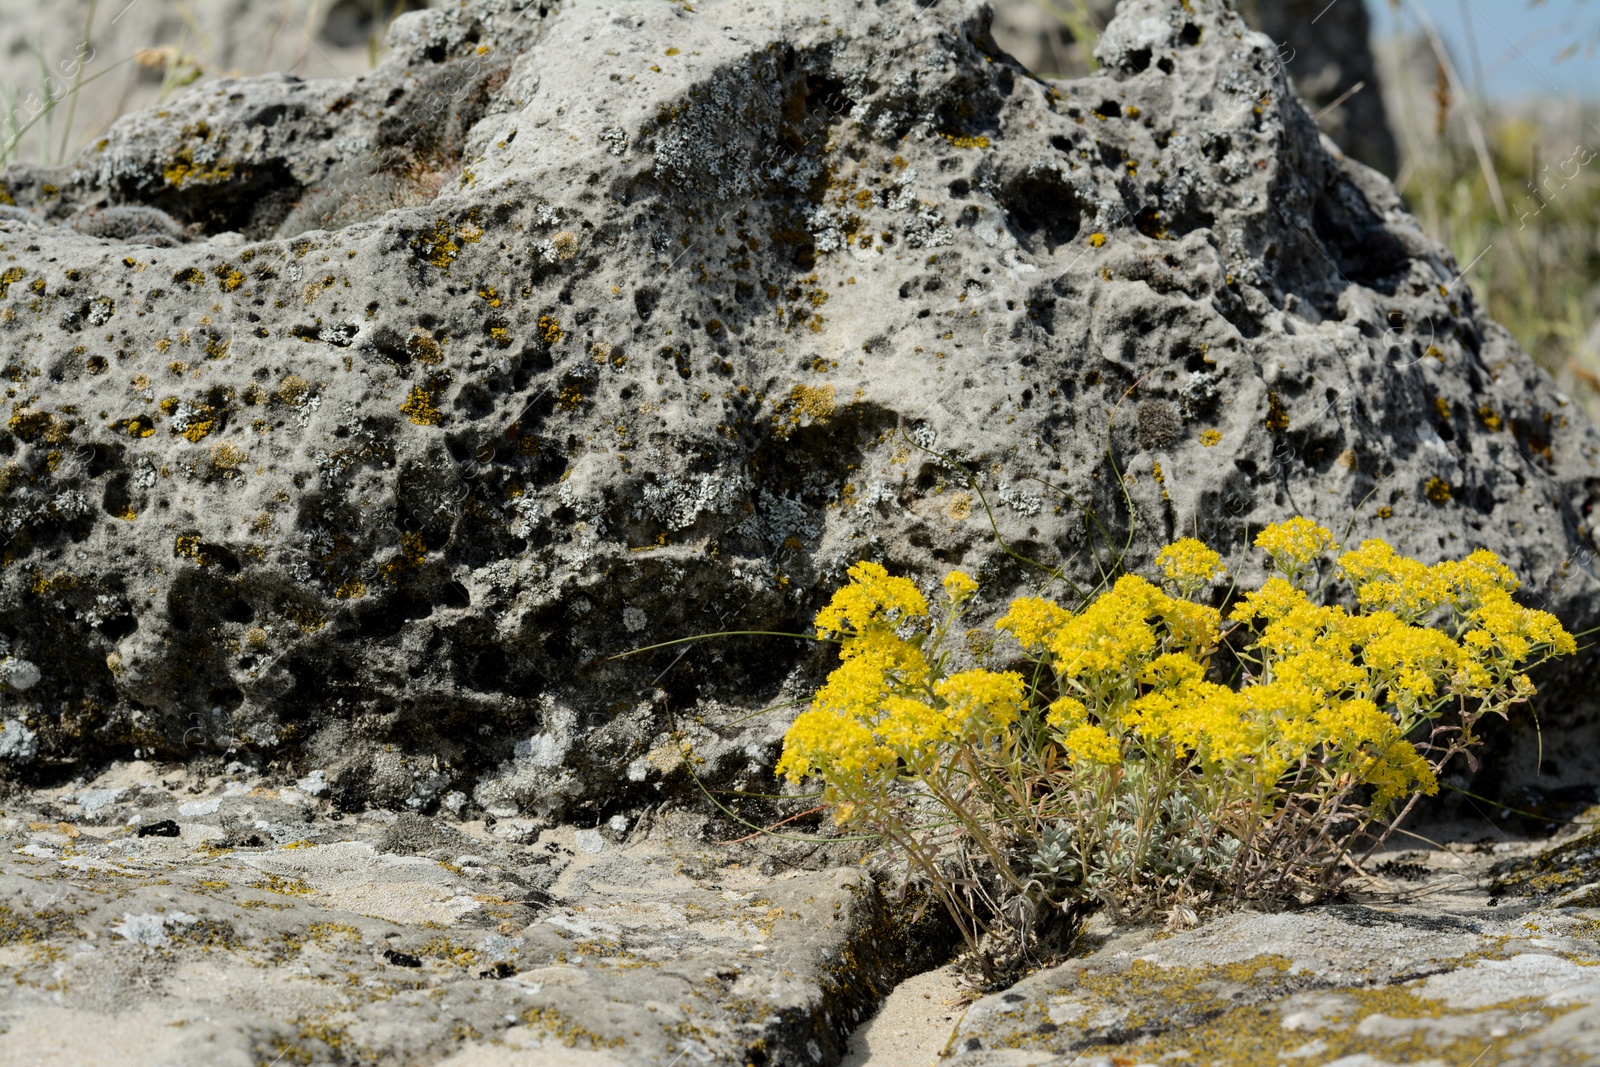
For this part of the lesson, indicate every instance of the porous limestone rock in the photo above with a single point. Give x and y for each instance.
(161, 915)
(1324, 48)
(1429, 969)
(576, 328)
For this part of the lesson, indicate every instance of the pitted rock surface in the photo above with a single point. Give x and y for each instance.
(157, 916)
(1325, 51)
(1423, 971)
(358, 422)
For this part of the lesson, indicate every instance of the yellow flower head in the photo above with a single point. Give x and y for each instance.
(1274, 600)
(1033, 621)
(993, 699)
(872, 599)
(1066, 713)
(959, 586)
(1295, 545)
(1189, 564)
(1091, 744)
(910, 726)
(1518, 632)
(1384, 580)
(1172, 670)
(1479, 576)
(822, 741)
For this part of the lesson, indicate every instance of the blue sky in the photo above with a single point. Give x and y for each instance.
(1517, 42)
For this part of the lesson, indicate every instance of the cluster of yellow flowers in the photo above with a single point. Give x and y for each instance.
(887, 703)
(1286, 711)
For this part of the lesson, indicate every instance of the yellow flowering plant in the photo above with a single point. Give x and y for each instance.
(1149, 751)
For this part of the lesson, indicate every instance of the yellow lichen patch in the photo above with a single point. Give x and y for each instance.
(442, 948)
(571, 399)
(817, 403)
(550, 329)
(314, 290)
(293, 391)
(1097, 240)
(31, 425)
(217, 347)
(414, 549)
(964, 140)
(1157, 994)
(136, 426)
(225, 457)
(308, 619)
(190, 276)
(9, 277)
(125, 513)
(193, 421)
(329, 931)
(419, 408)
(1441, 406)
(564, 1029)
(1437, 490)
(1209, 438)
(186, 169)
(1387, 1025)
(229, 278)
(960, 507)
(187, 546)
(422, 347)
(564, 244)
(1277, 419)
(1490, 418)
(353, 589)
(20, 928)
(441, 245)
(273, 883)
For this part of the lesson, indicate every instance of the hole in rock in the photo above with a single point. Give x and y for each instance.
(226, 698)
(1043, 209)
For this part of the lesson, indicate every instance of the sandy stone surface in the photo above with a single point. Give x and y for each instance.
(1434, 961)
(222, 921)
(913, 1025)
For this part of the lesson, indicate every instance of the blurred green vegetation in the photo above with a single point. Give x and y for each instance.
(1524, 211)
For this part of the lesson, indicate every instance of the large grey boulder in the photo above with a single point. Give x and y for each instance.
(356, 423)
